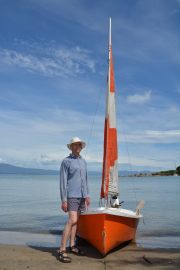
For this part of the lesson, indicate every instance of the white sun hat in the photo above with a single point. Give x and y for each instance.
(75, 140)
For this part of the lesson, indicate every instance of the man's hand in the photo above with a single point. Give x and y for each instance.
(64, 206)
(87, 201)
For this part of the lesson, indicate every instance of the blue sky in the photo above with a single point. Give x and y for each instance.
(53, 70)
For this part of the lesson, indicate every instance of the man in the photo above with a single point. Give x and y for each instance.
(74, 193)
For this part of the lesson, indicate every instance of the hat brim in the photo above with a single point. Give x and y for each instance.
(83, 144)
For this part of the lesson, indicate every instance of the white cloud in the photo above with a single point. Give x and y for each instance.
(42, 138)
(54, 61)
(139, 99)
(49, 159)
(163, 134)
(137, 31)
(40, 141)
(153, 136)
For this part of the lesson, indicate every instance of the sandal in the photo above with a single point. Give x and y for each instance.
(62, 258)
(77, 251)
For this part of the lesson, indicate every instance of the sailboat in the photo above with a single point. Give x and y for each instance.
(109, 225)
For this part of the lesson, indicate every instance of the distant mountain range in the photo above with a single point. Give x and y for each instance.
(11, 169)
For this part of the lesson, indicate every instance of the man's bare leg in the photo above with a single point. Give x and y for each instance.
(72, 222)
(73, 232)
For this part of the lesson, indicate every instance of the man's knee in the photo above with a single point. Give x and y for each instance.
(72, 221)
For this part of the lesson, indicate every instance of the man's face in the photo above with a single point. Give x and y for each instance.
(76, 148)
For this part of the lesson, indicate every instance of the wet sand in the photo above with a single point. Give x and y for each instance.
(129, 257)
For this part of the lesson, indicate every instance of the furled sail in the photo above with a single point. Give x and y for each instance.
(109, 185)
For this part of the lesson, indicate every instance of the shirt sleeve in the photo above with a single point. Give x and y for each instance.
(63, 181)
(87, 183)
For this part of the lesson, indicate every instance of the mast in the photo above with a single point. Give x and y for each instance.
(109, 187)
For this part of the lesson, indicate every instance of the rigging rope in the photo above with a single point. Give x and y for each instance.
(93, 121)
(129, 156)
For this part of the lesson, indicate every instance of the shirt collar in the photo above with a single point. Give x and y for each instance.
(74, 156)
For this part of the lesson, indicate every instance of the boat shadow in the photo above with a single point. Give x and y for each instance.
(89, 250)
(92, 252)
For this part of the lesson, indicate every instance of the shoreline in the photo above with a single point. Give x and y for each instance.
(51, 240)
(129, 257)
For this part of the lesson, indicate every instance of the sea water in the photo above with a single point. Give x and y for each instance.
(30, 212)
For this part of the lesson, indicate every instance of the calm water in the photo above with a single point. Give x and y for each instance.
(30, 212)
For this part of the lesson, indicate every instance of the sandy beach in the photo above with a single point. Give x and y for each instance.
(129, 257)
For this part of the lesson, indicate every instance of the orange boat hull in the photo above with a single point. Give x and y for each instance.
(106, 231)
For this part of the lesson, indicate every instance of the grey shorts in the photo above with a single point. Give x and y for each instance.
(76, 204)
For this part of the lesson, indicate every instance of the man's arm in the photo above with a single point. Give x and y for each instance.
(63, 185)
(87, 199)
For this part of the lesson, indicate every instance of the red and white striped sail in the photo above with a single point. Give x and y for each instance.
(109, 185)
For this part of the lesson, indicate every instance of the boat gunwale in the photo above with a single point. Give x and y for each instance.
(112, 211)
